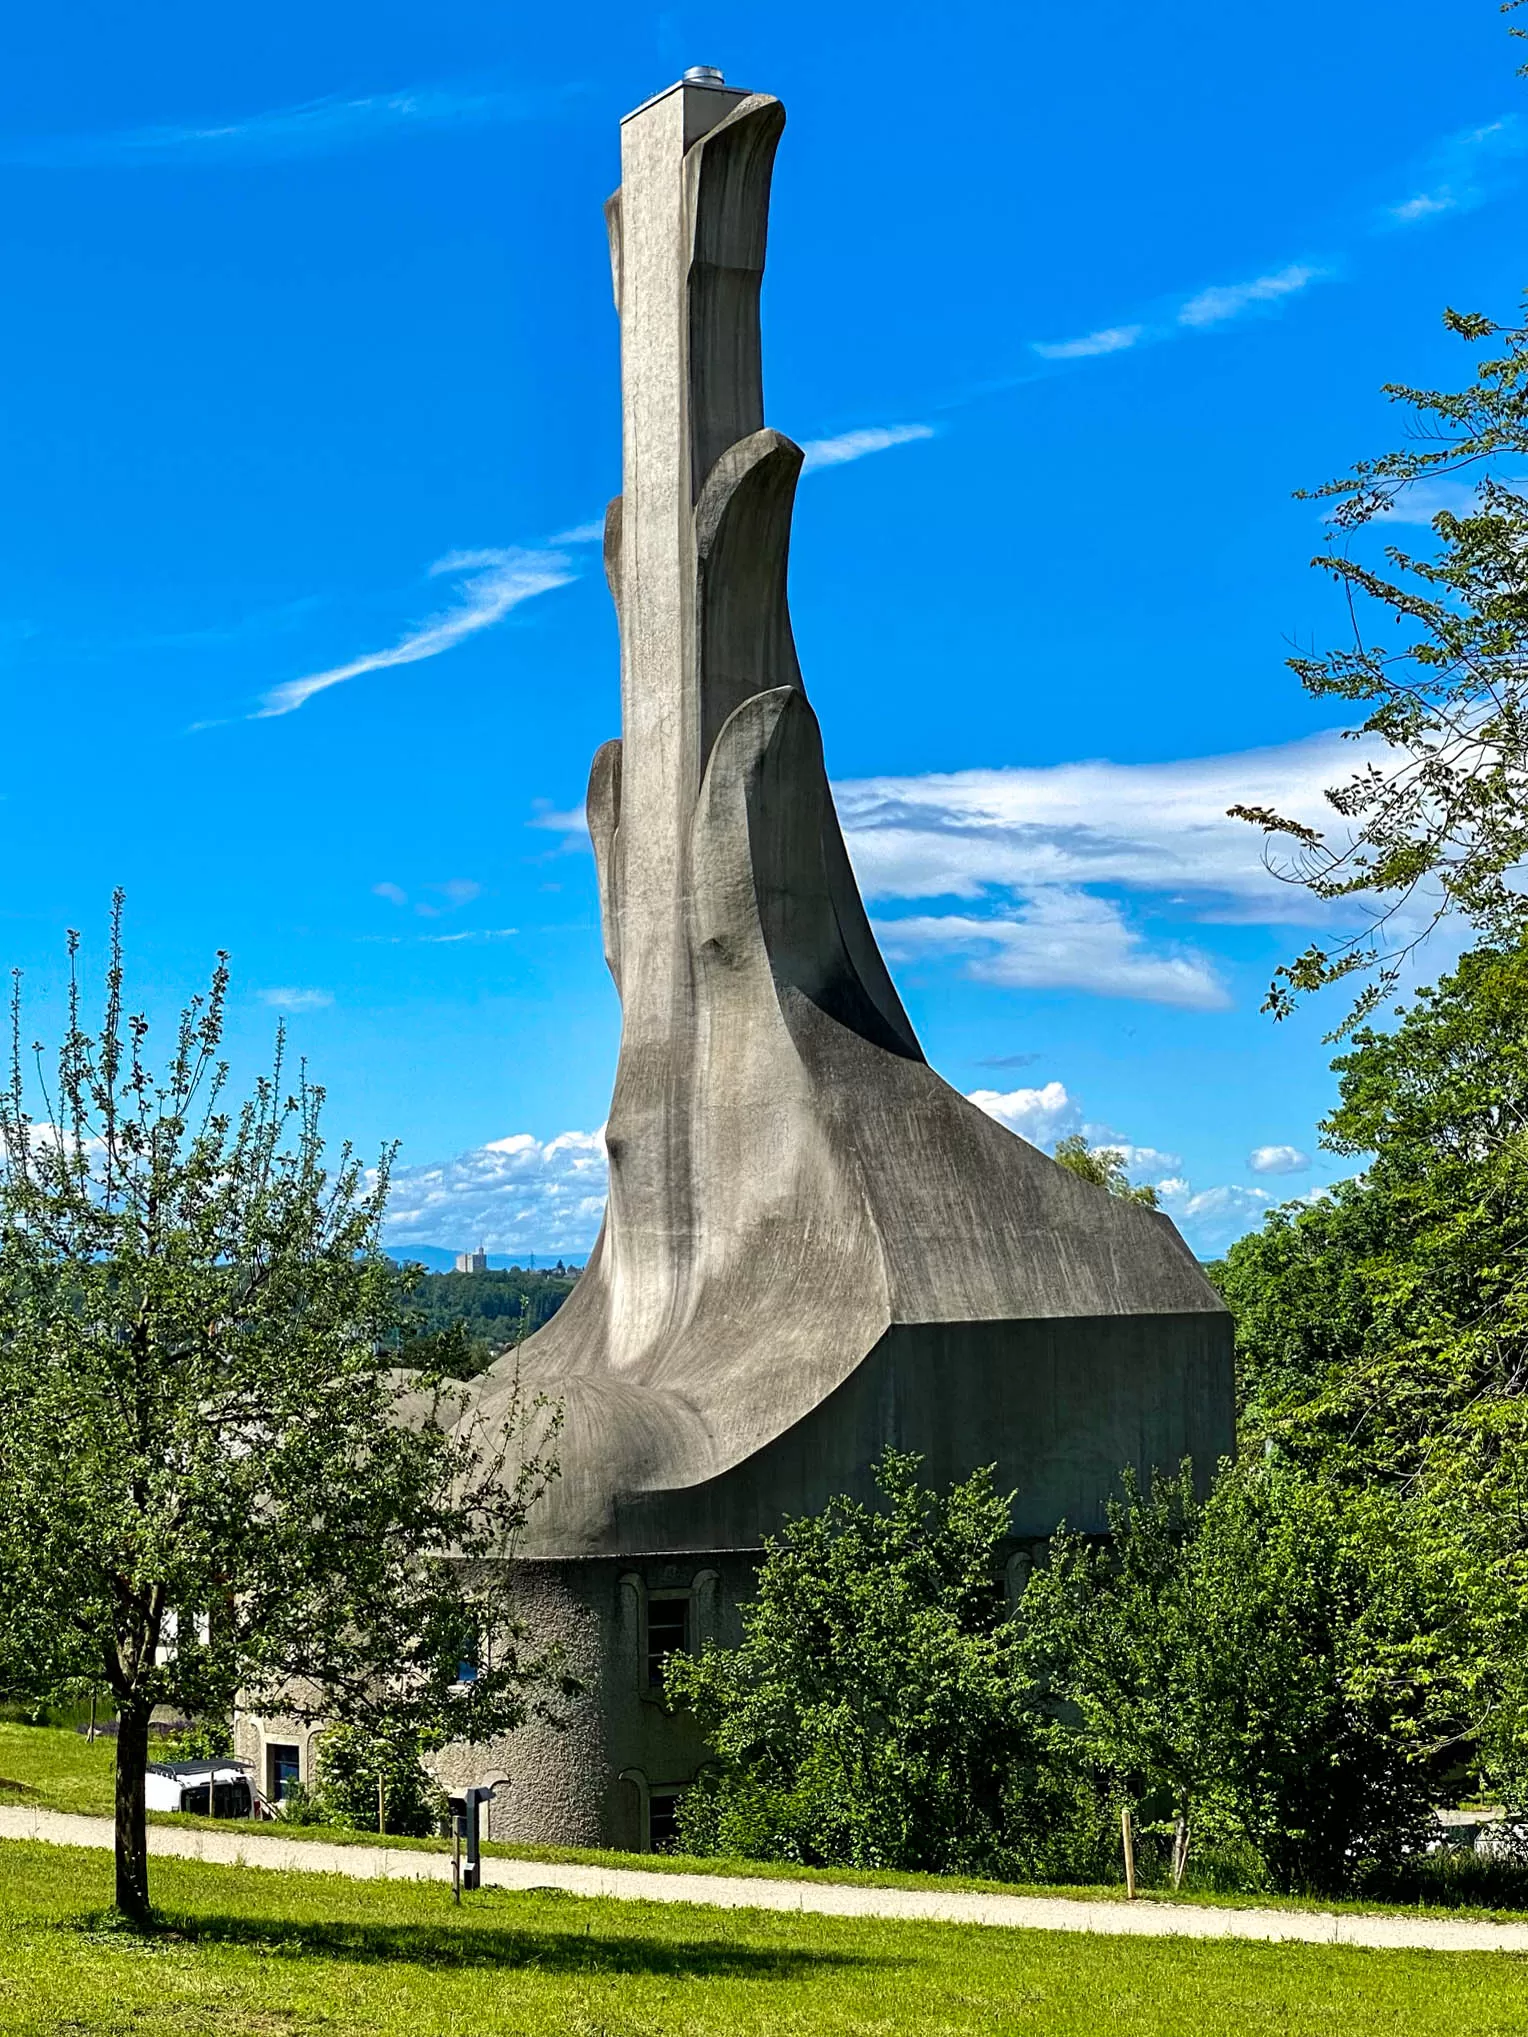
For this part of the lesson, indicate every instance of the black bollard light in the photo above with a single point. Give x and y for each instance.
(458, 1807)
(474, 1802)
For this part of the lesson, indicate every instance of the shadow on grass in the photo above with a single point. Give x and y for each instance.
(473, 1942)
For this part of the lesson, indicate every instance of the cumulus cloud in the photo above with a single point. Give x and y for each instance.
(1113, 339)
(1209, 1218)
(1061, 938)
(1144, 1162)
(517, 1194)
(1229, 300)
(854, 445)
(289, 997)
(1278, 1160)
(520, 1194)
(1041, 1115)
(491, 583)
(1213, 1218)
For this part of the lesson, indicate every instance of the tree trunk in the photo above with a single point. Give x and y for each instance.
(132, 1828)
(1180, 1848)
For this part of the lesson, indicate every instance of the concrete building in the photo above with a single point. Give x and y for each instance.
(813, 1246)
(472, 1262)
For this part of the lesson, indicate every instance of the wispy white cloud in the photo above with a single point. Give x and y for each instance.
(1426, 205)
(1420, 501)
(1158, 829)
(854, 445)
(1463, 172)
(1038, 859)
(1059, 938)
(517, 1194)
(557, 820)
(590, 533)
(314, 127)
(1223, 301)
(1207, 308)
(1114, 339)
(491, 584)
(288, 997)
(1277, 1160)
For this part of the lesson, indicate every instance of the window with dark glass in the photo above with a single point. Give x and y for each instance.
(285, 1768)
(668, 1633)
(662, 1820)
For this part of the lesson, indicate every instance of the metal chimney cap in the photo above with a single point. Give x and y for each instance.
(703, 74)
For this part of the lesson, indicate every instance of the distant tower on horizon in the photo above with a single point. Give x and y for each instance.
(473, 1262)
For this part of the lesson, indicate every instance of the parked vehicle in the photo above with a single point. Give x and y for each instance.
(188, 1785)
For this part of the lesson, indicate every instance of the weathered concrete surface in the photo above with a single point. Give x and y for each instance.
(583, 1777)
(813, 1246)
(757, 1892)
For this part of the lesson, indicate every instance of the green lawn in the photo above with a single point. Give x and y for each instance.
(253, 1954)
(57, 1769)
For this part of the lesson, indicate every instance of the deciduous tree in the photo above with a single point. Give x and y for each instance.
(210, 1480)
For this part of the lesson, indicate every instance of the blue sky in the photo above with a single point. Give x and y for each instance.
(309, 392)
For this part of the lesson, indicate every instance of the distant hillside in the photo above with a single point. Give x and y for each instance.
(442, 1259)
(462, 1321)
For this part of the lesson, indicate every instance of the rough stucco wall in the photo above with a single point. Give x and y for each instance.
(581, 1783)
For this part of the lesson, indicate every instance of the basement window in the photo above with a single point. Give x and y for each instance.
(668, 1633)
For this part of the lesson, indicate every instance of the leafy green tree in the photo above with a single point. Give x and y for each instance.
(1382, 1333)
(459, 1323)
(1274, 1666)
(875, 1714)
(1437, 821)
(1394, 1311)
(366, 1774)
(1440, 823)
(1103, 1166)
(212, 1483)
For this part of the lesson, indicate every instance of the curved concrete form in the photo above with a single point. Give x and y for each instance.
(813, 1246)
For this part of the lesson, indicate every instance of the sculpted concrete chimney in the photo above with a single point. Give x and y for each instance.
(813, 1246)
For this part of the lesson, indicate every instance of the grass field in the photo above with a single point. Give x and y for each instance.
(54, 1768)
(284, 1955)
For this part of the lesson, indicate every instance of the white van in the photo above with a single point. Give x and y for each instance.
(188, 1785)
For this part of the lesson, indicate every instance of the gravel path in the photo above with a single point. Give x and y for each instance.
(728, 1892)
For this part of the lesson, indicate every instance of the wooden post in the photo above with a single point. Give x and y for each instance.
(456, 1861)
(381, 1807)
(1127, 1841)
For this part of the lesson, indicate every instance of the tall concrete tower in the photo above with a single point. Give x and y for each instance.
(813, 1246)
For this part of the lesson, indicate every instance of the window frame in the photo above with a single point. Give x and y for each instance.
(684, 1598)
